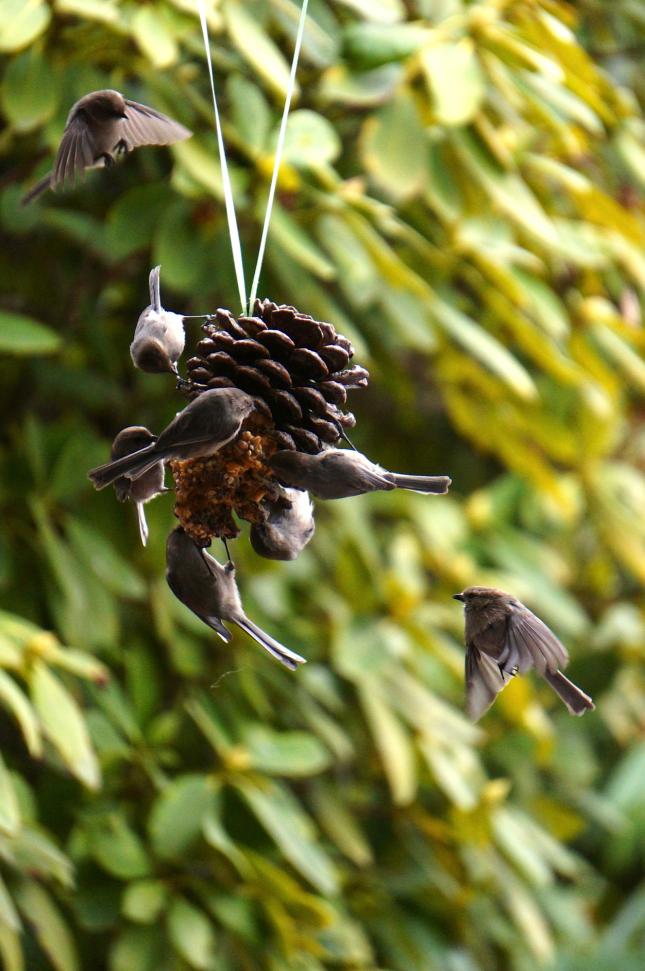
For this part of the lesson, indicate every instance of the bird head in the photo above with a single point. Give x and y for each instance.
(483, 596)
(152, 357)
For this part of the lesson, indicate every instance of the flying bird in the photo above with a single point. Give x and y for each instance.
(100, 125)
(504, 638)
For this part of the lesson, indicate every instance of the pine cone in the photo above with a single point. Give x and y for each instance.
(298, 370)
(298, 366)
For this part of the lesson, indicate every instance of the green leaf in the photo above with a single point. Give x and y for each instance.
(284, 753)
(63, 724)
(144, 900)
(291, 828)
(51, 930)
(250, 113)
(393, 744)
(380, 11)
(298, 244)
(100, 556)
(177, 815)
(255, 46)
(394, 148)
(23, 335)
(29, 92)
(480, 344)
(192, 934)
(140, 949)
(310, 140)
(11, 949)
(132, 220)
(155, 40)
(455, 80)
(9, 809)
(372, 45)
(14, 700)
(21, 21)
(8, 914)
(117, 848)
(104, 11)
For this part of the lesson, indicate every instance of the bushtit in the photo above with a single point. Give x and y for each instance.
(159, 335)
(504, 638)
(337, 473)
(204, 426)
(288, 527)
(147, 486)
(100, 125)
(210, 591)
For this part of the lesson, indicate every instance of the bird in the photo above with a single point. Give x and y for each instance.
(287, 529)
(337, 473)
(99, 126)
(147, 486)
(159, 336)
(504, 638)
(204, 426)
(209, 589)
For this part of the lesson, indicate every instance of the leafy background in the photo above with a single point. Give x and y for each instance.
(462, 196)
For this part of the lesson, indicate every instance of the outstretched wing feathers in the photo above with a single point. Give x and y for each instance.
(145, 126)
(74, 154)
(484, 681)
(533, 644)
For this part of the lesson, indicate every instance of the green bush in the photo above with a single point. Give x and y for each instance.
(462, 195)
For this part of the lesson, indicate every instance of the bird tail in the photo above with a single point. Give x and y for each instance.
(143, 523)
(155, 288)
(574, 698)
(437, 484)
(277, 650)
(37, 190)
(132, 465)
(216, 624)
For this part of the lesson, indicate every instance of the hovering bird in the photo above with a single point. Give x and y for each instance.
(209, 589)
(504, 638)
(147, 486)
(287, 529)
(100, 125)
(204, 426)
(337, 473)
(159, 336)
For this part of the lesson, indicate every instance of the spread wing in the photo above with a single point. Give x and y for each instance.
(145, 126)
(75, 153)
(530, 643)
(484, 681)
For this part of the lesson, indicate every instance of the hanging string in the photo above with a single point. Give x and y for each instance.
(233, 230)
(278, 153)
(228, 192)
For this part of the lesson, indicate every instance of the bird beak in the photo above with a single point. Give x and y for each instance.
(123, 115)
(458, 596)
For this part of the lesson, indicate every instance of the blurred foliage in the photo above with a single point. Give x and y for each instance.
(462, 195)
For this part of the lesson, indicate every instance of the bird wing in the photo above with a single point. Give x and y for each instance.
(530, 643)
(145, 126)
(484, 681)
(75, 153)
(210, 620)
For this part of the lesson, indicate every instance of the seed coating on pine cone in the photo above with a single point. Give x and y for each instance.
(299, 372)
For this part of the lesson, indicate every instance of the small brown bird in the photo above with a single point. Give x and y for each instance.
(99, 126)
(204, 426)
(210, 591)
(147, 486)
(288, 527)
(504, 638)
(338, 473)
(159, 336)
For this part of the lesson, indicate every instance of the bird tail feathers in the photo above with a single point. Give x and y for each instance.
(437, 484)
(574, 698)
(155, 288)
(282, 654)
(37, 190)
(132, 465)
(143, 523)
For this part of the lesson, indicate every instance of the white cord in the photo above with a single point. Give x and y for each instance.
(234, 232)
(278, 154)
